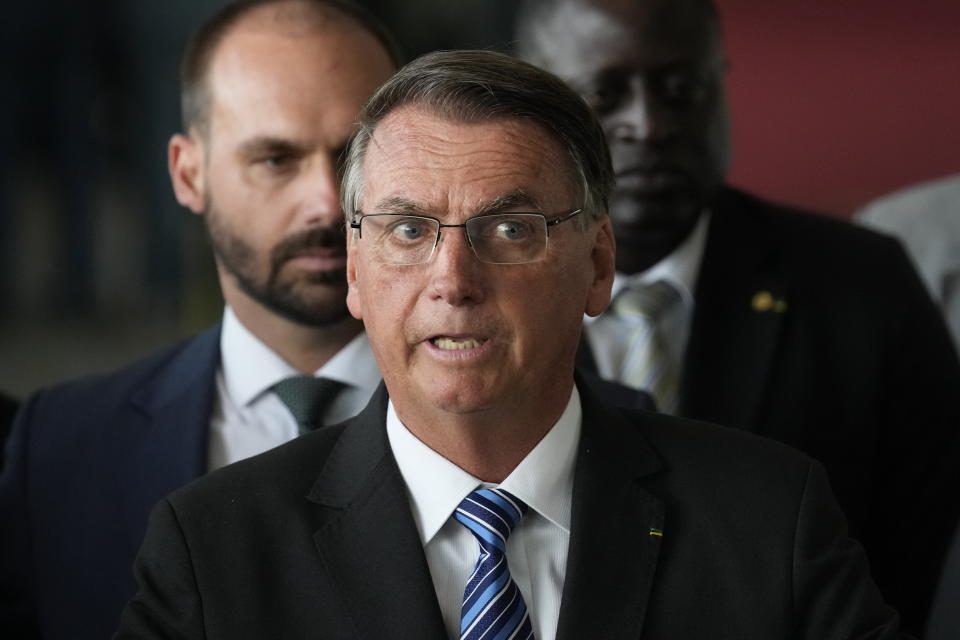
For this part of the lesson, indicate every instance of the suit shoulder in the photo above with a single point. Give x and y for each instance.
(931, 204)
(287, 470)
(695, 444)
(813, 247)
(108, 389)
(814, 230)
(697, 467)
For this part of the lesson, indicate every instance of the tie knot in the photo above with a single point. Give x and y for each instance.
(307, 398)
(649, 300)
(491, 515)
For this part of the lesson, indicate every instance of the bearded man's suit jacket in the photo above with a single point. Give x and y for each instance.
(679, 530)
(820, 334)
(8, 409)
(85, 464)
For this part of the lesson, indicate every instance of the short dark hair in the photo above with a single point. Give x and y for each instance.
(200, 49)
(486, 86)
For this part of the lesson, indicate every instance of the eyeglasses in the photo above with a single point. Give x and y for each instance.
(496, 238)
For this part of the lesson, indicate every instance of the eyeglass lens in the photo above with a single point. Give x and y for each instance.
(508, 238)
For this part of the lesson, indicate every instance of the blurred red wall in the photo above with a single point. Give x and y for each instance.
(836, 102)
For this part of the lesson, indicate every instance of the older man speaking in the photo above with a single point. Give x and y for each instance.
(484, 492)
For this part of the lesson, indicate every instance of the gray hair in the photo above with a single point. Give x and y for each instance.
(484, 86)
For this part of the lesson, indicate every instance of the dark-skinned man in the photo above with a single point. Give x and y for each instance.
(737, 311)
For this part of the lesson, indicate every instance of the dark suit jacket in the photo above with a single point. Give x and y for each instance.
(856, 368)
(8, 409)
(87, 461)
(85, 464)
(315, 539)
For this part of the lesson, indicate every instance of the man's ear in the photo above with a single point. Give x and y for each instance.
(603, 258)
(185, 163)
(353, 292)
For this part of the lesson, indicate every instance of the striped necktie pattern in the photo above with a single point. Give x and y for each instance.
(493, 607)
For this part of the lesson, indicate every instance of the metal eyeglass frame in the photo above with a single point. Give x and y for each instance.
(548, 222)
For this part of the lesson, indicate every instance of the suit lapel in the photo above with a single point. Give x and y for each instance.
(160, 438)
(370, 546)
(741, 303)
(615, 534)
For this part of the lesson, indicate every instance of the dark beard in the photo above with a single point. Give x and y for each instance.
(239, 259)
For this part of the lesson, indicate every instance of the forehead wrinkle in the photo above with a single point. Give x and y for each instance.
(399, 204)
(413, 130)
(497, 204)
(429, 165)
(467, 163)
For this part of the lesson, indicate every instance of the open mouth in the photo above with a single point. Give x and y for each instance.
(446, 343)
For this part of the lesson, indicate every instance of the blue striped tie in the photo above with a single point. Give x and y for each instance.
(493, 608)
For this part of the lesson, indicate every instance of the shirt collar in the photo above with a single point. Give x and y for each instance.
(543, 479)
(679, 268)
(353, 365)
(250, 367)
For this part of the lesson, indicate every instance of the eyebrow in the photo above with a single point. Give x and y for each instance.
(510, 200)
(499, 204)
(396, 204)
(270, 144)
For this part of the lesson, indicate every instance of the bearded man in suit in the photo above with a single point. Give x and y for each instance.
(270, 94)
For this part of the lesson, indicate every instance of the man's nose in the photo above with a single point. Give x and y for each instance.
(642, 116)
(455, 271)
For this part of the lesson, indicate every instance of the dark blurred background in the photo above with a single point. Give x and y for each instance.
(834, 102)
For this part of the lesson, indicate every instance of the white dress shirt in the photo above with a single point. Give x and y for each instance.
(537, 548)
(609, 335)
(248, 418)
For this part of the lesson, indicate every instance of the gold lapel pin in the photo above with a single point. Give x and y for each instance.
(764, 301)
(656, 532)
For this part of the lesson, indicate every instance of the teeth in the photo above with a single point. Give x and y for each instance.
(449, 344)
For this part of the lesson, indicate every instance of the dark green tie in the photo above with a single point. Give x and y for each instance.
(308, 398)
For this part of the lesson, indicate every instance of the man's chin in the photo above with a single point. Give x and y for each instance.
(308, 303)
(312, 316)
(462, 404)
(459, 392)
(654, 211)
(647, 230)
